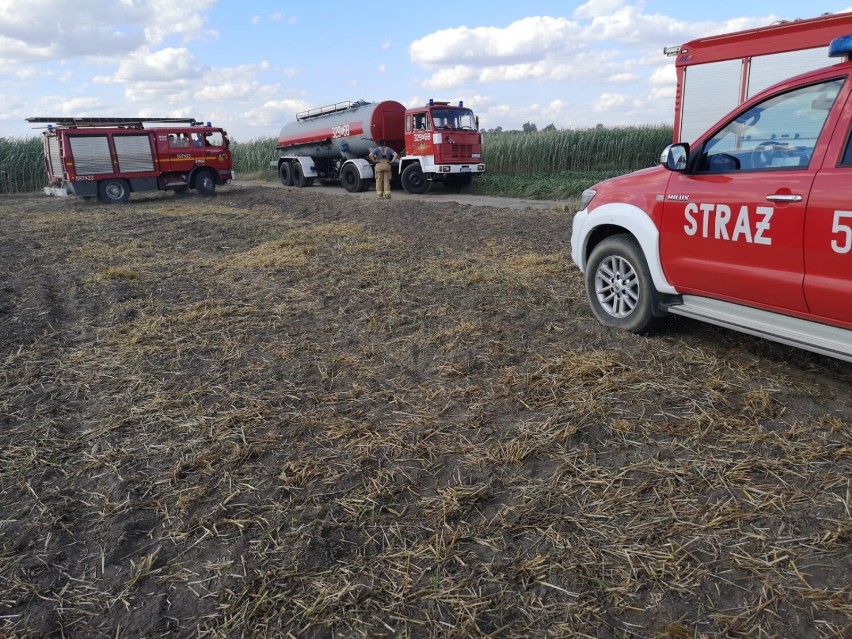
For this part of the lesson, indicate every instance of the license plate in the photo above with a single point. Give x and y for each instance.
(465, 169)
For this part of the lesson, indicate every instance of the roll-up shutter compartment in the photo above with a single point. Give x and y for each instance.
(91, 154)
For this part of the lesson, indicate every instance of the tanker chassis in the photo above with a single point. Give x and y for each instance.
(439, 143)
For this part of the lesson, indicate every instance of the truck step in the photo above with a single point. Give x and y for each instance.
(812, 336)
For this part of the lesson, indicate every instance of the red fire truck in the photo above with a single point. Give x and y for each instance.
(437, 142)
(747, 225)
(109, 158)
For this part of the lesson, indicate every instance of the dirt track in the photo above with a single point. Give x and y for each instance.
(436, 195)
(297, 411)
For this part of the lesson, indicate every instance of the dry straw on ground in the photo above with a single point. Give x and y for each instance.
(280, 413)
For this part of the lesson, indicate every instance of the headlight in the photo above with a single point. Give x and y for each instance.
(586, 198)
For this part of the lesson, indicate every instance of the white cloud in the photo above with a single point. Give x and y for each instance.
(103, 29)
(76, 106)
(609, 101)
(598, 8)
(165, 65)
(169, 18)
(525, 40)
(273, 114)
(664, 75)
(608, 57)
(449, 78)
(234, 89)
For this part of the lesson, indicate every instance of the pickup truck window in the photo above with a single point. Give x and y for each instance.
(778, 133)
(847, 154)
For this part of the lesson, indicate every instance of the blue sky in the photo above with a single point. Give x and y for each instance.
(250, 66)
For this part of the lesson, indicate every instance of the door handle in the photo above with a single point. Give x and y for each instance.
(784, 198)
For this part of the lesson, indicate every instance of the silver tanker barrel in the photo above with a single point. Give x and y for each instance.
(344, 130)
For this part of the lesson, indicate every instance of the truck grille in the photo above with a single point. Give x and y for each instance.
(461, 151)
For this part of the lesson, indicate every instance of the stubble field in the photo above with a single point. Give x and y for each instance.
(281, 412)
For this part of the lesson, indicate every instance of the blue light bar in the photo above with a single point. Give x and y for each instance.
(461, 104)
(431, 102)
(840, 47)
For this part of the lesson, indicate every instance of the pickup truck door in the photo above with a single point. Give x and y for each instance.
(733, 227)
(828, 230)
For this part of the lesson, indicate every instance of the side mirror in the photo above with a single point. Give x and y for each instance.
(675, 156)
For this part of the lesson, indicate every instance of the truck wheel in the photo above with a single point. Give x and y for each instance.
(205, 183)
(350, 179)
(298, 174)
(113, 191)
(413, 180)
(619, 286)
(285, 172)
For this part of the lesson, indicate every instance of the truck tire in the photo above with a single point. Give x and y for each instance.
(619, 285)
(285, 172)
(350, 179)
(298, 174)
(413, 180)
(113, 191)
(205, 183)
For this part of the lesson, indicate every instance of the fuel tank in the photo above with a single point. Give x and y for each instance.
(344, 129)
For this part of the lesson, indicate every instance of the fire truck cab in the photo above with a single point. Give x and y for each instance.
(747, 225)
(442, 144)
(109, 158)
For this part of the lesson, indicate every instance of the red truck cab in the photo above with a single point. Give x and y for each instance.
(442, 144)
(748, 227)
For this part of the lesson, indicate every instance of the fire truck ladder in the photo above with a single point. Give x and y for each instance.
(129, 123)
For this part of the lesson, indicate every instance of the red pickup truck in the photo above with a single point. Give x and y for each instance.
(749, 226)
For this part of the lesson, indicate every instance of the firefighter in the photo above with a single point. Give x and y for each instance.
(383, 156)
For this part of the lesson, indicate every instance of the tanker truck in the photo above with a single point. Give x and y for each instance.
(437, 142)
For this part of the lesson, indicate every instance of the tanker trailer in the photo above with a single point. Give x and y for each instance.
(331, 143)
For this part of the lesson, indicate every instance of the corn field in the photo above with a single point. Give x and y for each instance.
(252, 159)
(21, 165)
(599, 149)
(511, 153)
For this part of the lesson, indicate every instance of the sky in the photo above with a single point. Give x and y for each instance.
(249, 66)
